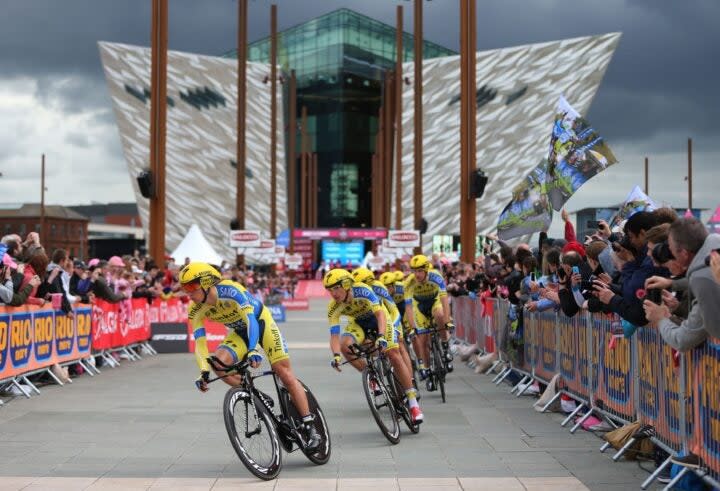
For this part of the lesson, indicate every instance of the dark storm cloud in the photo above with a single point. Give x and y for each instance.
(662, 79)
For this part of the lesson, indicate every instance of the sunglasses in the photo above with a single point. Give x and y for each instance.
(190, 287)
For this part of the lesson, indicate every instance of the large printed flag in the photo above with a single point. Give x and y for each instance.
(529, 210)
(635, 202)
(714, 222)
(576, 154)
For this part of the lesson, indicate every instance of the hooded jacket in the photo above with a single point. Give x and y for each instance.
(704, 316)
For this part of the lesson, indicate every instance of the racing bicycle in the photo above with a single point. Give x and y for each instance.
(258, 428)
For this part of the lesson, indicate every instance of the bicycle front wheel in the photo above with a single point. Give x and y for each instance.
(381, 407)
(252, 433)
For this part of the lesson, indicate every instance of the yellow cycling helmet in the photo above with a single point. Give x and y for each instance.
(420, 262)
(388, 278)
(199, 275)
(363, 275)
(337, 277)
(399, 275)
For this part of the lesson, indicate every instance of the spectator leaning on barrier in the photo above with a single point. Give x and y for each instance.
(690, 244)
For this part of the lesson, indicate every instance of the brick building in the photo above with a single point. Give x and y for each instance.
(64, 228)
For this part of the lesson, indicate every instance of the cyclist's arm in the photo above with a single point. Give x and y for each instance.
(442, 293)
(334, 321)
(201, 347)
(409, 314)
(381, 321)
(445, 301)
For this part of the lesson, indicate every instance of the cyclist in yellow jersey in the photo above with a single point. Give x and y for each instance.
(364, 275)
(367, 319)
(393, 282)
(427, 298)
(251, 327)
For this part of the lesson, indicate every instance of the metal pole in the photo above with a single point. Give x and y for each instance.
(303, 190)
(304, 150)
(314, 191)
(158, 113)
(241, 111)
(389, 134)
(398, 116)
(647, 185)
(292, 159)
(378, 192)
(690, 173)
(42, 200)
(273, 122)
(418, 137)
(468, 129)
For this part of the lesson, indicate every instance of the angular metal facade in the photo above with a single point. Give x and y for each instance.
(201, 140)
(518, 89)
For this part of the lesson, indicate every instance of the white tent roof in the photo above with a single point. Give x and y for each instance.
(197, 248)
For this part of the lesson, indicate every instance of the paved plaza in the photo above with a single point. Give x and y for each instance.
(145, 426)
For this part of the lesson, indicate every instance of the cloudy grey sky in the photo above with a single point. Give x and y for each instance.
(660, 88)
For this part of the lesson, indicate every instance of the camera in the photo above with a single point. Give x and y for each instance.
(661, 253)
(588, 285)
(707, 259)
(654, 295)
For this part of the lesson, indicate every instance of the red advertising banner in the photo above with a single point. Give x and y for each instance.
(32, 338)
(296, 304)
(215, 332)
(128, 322)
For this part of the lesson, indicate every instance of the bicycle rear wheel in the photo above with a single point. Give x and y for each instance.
(382, 408)
(321, 454)
(252, 433)
(402, 408)
(438, 369)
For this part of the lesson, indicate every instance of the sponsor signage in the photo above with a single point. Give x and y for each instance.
(295, 304)
(403, 238)
(340, 233)
(277, 312)
(294, 261)
(376, 262)
(32, 338)
(170, 337)
(245, 238)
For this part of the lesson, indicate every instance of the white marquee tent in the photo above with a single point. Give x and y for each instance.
(197, 248)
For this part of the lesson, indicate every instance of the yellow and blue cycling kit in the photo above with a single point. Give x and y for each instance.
(424, 297)
(247, 318)
(360, 311)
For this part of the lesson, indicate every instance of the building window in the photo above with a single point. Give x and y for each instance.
(343, 190)
(8, 228)
(22, 230)
(53, 230)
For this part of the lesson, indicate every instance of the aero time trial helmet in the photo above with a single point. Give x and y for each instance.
(420, 262)
(363, 275)
(336, 277)
(199, 275)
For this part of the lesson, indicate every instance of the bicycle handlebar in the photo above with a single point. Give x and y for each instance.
(238, 367)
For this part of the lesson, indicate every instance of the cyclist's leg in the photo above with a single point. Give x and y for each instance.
(276, 350)
(403, 349)
(439, 315)
(353, 334)
(422, 322)
(402, 371)
(230, 351)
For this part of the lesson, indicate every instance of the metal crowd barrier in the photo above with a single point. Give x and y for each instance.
(623, 380)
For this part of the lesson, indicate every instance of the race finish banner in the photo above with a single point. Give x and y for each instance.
(32, 338)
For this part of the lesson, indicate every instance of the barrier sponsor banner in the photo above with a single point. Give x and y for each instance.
(32, 338)
(296, 304)
(170, 337)
(616, 381)
(214, 334)
(705, 370)
(277, 312)
(547, 360)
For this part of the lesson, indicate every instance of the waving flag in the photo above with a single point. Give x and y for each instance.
(529, 210)
(635, 202)
(576, 154)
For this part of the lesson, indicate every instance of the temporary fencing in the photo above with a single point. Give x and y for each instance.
(623, 379)
(33, 339)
